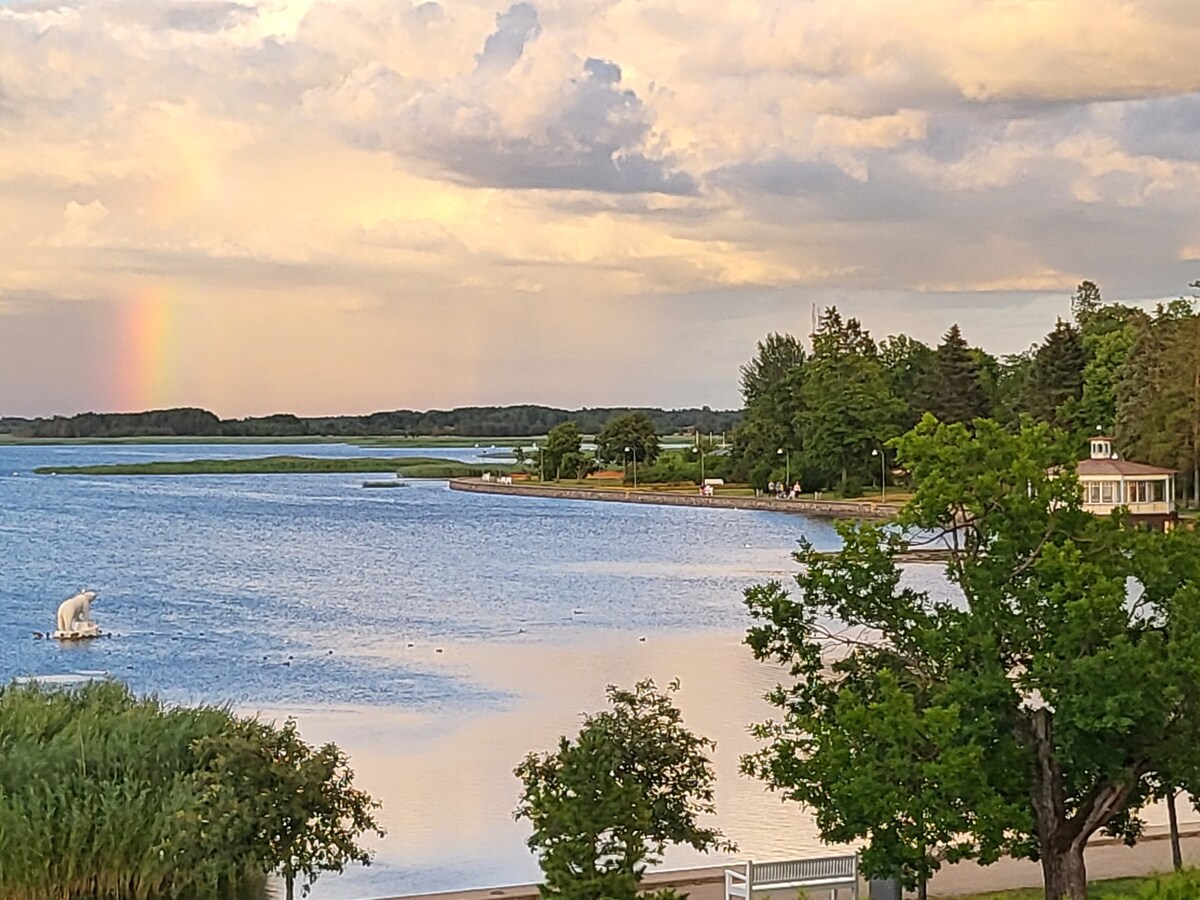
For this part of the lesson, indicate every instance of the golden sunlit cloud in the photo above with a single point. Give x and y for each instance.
(326, 207)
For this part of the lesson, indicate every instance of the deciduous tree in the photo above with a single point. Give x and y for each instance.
(1021, 715)
(634, 431)
(605, 804)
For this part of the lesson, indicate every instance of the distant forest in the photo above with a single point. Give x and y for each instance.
(468, 421)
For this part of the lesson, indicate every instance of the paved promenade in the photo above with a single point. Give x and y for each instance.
(835, 509)
(1106, 858)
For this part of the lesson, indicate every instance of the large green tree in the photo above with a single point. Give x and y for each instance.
(906, 364)
(605, 804)
(776, 355)
(295, 805)
(953, 388)
(558, 455)
(848, 410)
(1055, 384)
(632, 432)
(1020, 714)
(1158, 394)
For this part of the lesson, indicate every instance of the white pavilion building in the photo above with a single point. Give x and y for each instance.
(1109, 482)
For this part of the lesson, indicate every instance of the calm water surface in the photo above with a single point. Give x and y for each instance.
(300, 595)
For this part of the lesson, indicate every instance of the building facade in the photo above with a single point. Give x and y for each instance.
(1108, 482)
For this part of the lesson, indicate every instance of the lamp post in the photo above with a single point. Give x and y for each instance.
(700, 450)
(787, 457)
(633, 450)
(882, 475)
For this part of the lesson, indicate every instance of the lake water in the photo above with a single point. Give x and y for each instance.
(300, 595)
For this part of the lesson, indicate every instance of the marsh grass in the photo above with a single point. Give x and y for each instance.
(106, 796)
(407, 466)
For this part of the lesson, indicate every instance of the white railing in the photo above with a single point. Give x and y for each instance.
(826, 873)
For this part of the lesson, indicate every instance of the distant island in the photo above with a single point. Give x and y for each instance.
(404, 466)
(463, 422)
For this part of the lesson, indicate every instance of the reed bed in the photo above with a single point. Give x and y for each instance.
(100, 798)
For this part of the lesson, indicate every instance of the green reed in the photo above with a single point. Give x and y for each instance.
(100, 798)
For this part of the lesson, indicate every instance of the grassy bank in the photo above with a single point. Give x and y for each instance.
(409, 467)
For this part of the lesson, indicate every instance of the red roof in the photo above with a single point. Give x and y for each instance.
(1118, 467)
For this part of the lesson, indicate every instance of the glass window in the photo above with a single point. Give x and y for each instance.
(1093, 495)
(1106, 492)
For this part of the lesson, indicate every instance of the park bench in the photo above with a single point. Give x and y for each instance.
(831, 874)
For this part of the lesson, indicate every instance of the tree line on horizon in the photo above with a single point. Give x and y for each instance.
(467, 421)
(828, 412)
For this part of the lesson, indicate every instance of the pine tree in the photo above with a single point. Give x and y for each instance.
(953, 389)
(1056, 380)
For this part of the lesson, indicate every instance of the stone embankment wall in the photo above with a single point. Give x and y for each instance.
(836, 509)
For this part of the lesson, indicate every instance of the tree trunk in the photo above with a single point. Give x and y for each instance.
(1176, 851)
(290, 879)
(922, 888)
(1064, 875)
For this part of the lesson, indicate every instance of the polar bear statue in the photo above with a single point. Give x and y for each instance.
(74, 619)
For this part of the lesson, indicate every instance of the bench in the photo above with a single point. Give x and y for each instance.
(825, 873)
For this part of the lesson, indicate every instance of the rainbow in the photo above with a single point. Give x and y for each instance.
(146, 363)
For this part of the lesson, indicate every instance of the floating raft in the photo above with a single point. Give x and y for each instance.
(71, 635)
(385, 484)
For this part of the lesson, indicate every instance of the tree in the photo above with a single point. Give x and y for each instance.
(1157, 395)
(633, 430)
(562, 442)
(1085, 302)
(293, 805)
(847, 408)
(953, 388)
(1044, 698)
(777, 355)
(605, 805)
(906, 364)
(1056, 379)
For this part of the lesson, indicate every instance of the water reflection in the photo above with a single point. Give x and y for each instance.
(446, 781)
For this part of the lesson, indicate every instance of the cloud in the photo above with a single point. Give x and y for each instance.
(371, 161)
(514, 29)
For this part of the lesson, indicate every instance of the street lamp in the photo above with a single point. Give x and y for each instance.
(787, 478)
(541, 463)
(700, 450)
(882, 475)
(633, 450)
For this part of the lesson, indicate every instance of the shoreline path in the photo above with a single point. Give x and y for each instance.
(832, 509)
(1106, 858)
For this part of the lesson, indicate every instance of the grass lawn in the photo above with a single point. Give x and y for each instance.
(1097, 890)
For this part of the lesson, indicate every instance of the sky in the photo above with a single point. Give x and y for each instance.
(339, 206)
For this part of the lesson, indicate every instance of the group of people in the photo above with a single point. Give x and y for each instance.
(780, 491)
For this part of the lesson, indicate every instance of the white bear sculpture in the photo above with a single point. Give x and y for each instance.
(74, 617)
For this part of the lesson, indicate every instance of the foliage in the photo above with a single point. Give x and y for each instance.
(604, 805)
(776, 356)
(906, 364)
(109, 796)
(562, 445)
(296, 804)
(409, 466)
(952, 387)
(1041, 699)
(475, 421)
(1056, 380)
(847, 409)
(1158, 394)
(634, 431)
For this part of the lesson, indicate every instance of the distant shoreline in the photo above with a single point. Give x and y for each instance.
(827, 509)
